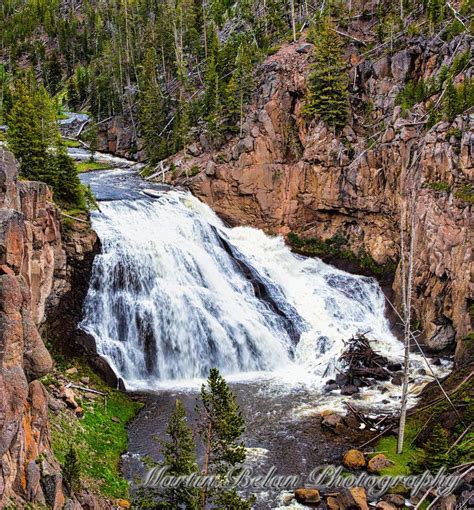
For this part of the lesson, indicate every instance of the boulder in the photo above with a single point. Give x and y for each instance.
(349, 389)
(383, 505)
(68, 395)
(331, 420)
(397, 380)
(354, 459)
(210, 169)
(394, 367)
(34, 492)
(449, 503)
(307, 496)
(353, 499)
(304, 48)
(377, 463)
(56, 405)
(360, 497)
(395, 499)
(331, 387)
(52, 483)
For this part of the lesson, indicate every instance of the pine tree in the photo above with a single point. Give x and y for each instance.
(72, 470)
(180, 134)
(73, 98)
(436, 449)
(91, 136)
(48, 117)
(327, 95)
(33, 137)
(221, 427)
(53, 73)
(5, 97)
(239, 86)
(435, 11)
(67, 186)
(212, 103)
(179, 455)
(25, 132)
(179, 458)
(152, 115)
(450, 100)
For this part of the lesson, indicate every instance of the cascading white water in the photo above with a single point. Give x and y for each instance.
(175, 292)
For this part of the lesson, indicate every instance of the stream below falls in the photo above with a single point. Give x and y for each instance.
(175, 292)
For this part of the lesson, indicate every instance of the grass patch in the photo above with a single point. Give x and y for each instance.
(73, 144)
(402, 463)
(90, 166)
(431, 434)
(100, 437)
(439, 186)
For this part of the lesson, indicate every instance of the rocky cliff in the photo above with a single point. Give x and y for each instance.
(284, 174)
(34, 273)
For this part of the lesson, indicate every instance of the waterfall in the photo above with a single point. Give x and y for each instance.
(175, 292)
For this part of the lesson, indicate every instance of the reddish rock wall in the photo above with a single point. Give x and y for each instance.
(284, 175)
(33, 275)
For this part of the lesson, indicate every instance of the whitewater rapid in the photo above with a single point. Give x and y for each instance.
(175, 292)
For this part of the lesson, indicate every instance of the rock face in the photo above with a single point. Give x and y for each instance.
(33, 274)
(283, 174)
(116, 136)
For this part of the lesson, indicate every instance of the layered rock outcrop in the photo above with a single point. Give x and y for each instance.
(33, 275)
(30, 252)
(284, 174)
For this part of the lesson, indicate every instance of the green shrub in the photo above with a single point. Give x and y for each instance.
(194, 170)
(439, 186)
(465, 193)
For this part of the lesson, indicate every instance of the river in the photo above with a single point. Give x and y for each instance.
(175, 292)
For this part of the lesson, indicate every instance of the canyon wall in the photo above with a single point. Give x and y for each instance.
(34, 274)
(284, 174)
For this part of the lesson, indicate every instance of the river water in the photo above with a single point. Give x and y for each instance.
(176, 292)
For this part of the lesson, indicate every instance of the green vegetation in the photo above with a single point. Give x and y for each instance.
(401, 463)
(99, 438)
(465, 193)
(91, 137)
(34, 139)
(221, 425)
(327, 95)
(455, 99)
(194, 79)
(439, 186)
(433, 439)
(337, 247)
(72, 470)
(71, 143)
(194, 170)
(89, 166)
(180, 458)
(319, 248)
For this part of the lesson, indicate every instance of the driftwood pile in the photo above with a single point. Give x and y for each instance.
(362, 362)
(362, 367)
